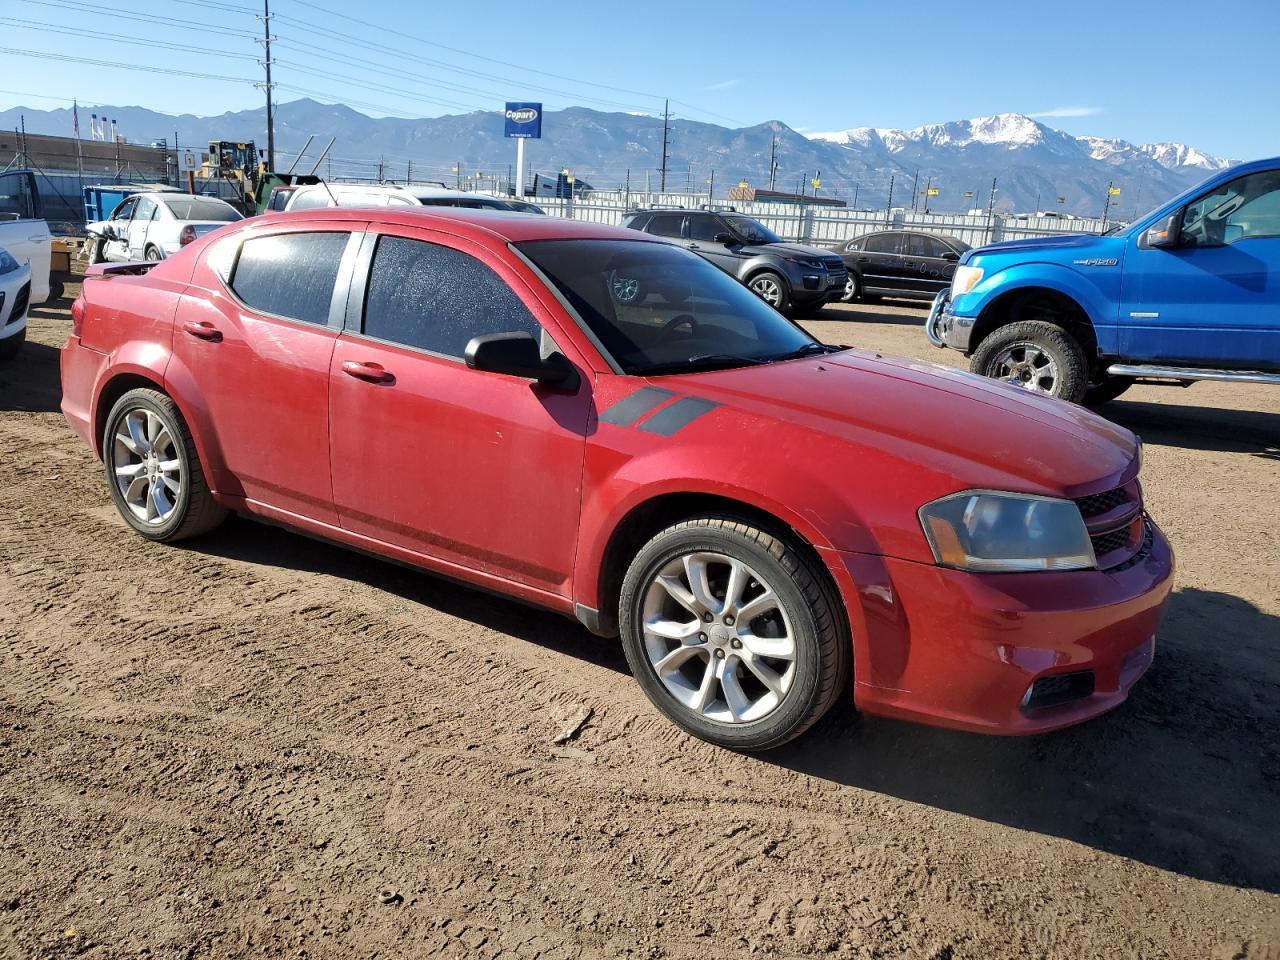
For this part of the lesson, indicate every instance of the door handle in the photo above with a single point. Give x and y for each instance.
(692, 246)
(369, 372)
(864, 259)
(203, 330)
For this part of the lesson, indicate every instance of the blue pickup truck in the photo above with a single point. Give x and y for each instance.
(1191, 291)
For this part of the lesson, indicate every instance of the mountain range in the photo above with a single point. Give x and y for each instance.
(1032, 164)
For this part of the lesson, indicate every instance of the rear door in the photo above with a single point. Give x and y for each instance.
(479, 470)
(1213, 300)
(258, 346)
(881, 262)
(144, 214)
(925, 268)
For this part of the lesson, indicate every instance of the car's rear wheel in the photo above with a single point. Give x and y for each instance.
(772, 289)
(852, 290)
(153, 253)
(153, 470)
(733, 632)
(1035, 355)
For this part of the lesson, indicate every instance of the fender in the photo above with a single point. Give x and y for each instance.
(1097, 294)
(136, 358)
(181, 385)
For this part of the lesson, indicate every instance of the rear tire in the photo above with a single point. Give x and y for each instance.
(153, 471)
(749, 682)
(152, 253)
(1037, 356)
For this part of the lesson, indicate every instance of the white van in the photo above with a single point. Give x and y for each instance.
(389, 195)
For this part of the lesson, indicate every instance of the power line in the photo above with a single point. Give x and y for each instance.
(114, 14)
(43, 27)
(66, 58)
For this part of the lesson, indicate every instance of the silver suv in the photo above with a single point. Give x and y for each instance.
(788, 276)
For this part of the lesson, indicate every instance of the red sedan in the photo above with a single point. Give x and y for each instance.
(604, 424)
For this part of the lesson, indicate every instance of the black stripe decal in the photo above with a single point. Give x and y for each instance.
(672, 419)
(631, 408)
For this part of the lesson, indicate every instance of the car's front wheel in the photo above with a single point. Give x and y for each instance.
(772, 289)
(733, 632)
(1035, 355)
(153, 470)
(153, 253)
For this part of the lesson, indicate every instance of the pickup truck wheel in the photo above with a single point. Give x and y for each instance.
(1035, 355)
(733, 633)
(1108, 388)
(772, 289)
(153, 471)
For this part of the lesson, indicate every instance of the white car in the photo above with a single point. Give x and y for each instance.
(152, 226)
(391, 195)
(15, 298)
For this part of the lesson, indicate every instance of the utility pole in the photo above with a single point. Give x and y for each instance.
(915, 188)
(409, 176)
(855, 194)
(666, 125)
(381, 178)
(888, 212)
(711, 187)
(268, 86)
(773, 159)
(991, 207)
(1106, 209)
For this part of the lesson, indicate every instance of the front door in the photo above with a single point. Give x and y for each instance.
(260, 346)
(116, 248)
(703, 231)
(480, 470)
(1214, 299)
(140, 226)
(926, 269)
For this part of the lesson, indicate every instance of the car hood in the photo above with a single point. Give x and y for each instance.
(969, 431)
(1065, 243)
(787, 250)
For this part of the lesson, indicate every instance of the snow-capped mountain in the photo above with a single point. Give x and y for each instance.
(1033, 164)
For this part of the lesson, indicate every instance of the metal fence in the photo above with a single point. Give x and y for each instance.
(821, 225)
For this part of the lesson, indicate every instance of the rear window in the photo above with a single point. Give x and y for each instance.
(200, 208)
(290, 275)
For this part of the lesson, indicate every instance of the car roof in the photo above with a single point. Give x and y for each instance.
(947, 237)
(506, 225)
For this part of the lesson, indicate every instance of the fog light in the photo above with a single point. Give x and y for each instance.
(1057, 689)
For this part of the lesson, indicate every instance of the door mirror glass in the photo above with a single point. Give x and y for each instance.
(1163, 233)
(518, 355)
(728, 239)
(950, 256)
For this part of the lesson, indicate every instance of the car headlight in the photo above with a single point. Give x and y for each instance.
(807, 262)
(965, 279)
(7, 263)
(990, 532)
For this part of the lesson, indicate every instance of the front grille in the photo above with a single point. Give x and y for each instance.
(1099, 503)
(20, 302)
(1105, 543)
(834, 264)
(1058, 689)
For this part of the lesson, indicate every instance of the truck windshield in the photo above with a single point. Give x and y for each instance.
(659, 309)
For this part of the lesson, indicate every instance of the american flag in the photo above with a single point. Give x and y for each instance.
(75, 117)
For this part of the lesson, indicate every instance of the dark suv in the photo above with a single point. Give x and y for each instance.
(900, 263)
(787, 276)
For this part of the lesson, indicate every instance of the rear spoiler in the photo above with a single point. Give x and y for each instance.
(134, 268)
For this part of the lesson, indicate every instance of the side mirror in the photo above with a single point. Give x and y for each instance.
(517, 355)
(1164, 233)
(951, 256)
(728, 239)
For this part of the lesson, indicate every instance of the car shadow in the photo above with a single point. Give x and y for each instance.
(31, 382)
(258, 543)
(1199, 428)
(870, 313)
(1185, 776)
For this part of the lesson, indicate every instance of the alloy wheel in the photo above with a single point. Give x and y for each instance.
(767, 289)
(146, 465)
(718, 638)
(1027, 365)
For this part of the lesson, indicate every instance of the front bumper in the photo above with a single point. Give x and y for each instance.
(945, 328)
(962, 650)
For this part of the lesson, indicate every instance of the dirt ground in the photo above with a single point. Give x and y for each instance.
(254, 745)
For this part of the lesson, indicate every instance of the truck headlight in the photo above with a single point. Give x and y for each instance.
(986, 531)
(965, 279)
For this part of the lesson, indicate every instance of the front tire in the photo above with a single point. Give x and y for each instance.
(153, 471)
(152, 253)
(733, 633)
(1038, 356)
(852, 290)
(772, 289)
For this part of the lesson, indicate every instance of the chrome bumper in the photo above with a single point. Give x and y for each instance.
(931, 328)
(946, 329)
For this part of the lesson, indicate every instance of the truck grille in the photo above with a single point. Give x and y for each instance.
(19, 303)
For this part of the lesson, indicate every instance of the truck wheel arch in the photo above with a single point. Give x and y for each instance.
(1038, 303)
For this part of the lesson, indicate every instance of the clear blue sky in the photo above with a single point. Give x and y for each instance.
(1202, 74)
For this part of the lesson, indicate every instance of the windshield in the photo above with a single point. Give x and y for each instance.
(658, 309)
(202, 208)
(752, 231)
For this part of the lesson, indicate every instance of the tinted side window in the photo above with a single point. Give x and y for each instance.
(146, 209)
(884, 243)
(637, 222)
(290, 275)
(665, 224)
(436, 298)
(921, 246)
(1244, 208)
(706, 228)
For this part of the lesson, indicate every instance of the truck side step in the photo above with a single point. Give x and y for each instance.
(1191, 373)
